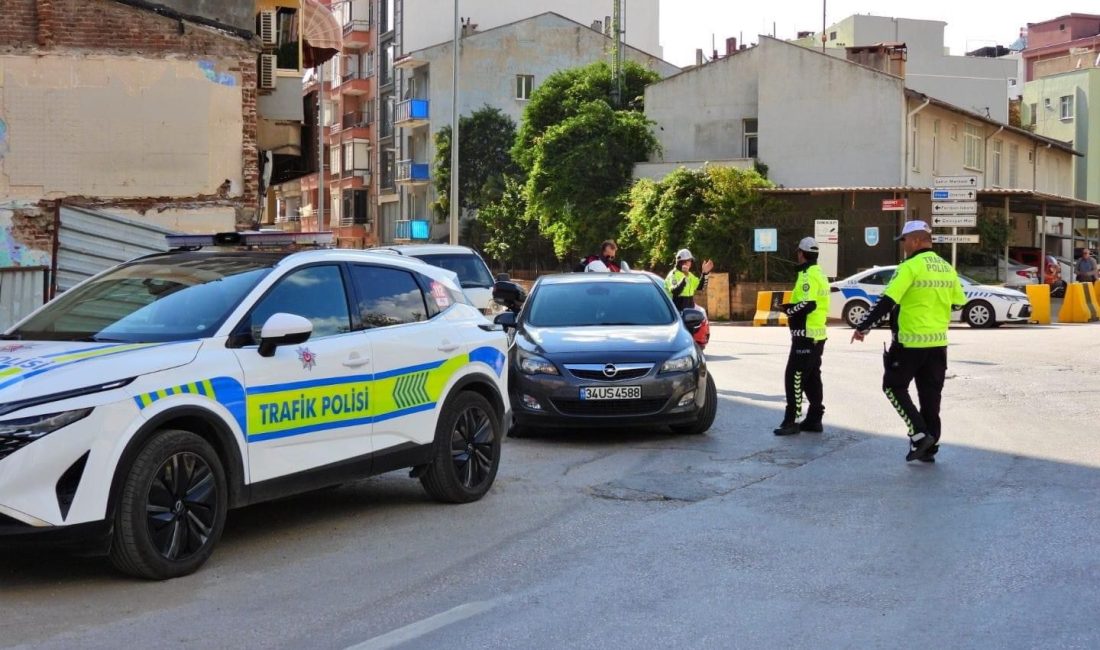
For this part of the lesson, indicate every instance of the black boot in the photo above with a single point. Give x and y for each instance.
(787, 428)
(812, 422)
(919, 446)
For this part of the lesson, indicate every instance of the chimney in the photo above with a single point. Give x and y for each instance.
(597, 26)
(698, 56)
(607, 25)
(731, 46)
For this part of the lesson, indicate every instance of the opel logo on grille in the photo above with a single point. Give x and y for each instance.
(610, 370)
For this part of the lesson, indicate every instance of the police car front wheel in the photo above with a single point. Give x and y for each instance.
(467, 450)
(171, 510)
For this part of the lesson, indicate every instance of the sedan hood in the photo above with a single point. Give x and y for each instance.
(35, 368)
(611, 343)
(975, 291)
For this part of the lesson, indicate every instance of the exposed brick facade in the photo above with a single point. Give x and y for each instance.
(43, 27)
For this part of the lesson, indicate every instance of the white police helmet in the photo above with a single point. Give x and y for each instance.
(684, 254)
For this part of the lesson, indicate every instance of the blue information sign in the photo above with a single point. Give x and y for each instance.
(766, 240)
(870, 235)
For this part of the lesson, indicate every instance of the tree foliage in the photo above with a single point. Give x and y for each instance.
(578, 153)
(711, 211)
(507, 235)
(484, 158)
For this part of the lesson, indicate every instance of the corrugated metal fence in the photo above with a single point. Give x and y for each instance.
(22, 290)
(91, 242)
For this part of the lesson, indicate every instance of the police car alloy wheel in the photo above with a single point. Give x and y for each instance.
(854, 312)
(467, 452)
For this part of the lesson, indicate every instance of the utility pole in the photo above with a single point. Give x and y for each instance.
(823, 35)
(453, 238)
(617, 55)
(321, 147)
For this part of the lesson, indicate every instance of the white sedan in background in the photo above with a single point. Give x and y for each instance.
(986, 306)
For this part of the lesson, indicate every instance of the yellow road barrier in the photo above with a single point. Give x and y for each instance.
(1080, 304)
(1039, 297)
(769, 310)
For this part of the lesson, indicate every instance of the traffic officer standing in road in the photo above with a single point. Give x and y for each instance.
(806, 314)
(682, 284)
(919, 300)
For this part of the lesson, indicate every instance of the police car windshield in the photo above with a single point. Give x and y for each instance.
(169, 298)
(470, 270)
(599, 303)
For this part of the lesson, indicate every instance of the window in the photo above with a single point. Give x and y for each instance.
(914, 145)
(995, 164)
(832, 36)
(1013, 164)
(334, 203)
(935, 146)
(524, 82)
(749, 142)
(954, 132)
(1065, 106)
(329, 112)
(388, 296)
(334, 165)
(879, 278)
(1011, 82)
(315, 293)
(389, 164)
(386, 72)
(367, 64)
(972, 150)
(286, 28)
(350, 67)
(1034, 109)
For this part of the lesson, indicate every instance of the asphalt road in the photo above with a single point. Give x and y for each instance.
(633, 539)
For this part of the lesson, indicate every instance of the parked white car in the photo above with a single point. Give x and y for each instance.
(473, 273)
(986, 306)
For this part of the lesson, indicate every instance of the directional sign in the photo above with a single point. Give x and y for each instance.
(957, 207)
(955, 239)
(944, 182)
(954, 195)
(893, 204)
(955, 220)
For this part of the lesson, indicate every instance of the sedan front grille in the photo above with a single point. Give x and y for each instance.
(598, 372)
(609, 407)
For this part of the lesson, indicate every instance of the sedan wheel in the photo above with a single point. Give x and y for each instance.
(979, 314)
(855, 312)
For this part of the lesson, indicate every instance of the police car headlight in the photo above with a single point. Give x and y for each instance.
(30, 429)
(682, 361)
(530, 364)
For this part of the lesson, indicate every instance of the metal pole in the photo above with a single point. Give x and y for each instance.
(823, 26)
(1043, 234)
(454, 132)
(321, 147)
(1008, 237)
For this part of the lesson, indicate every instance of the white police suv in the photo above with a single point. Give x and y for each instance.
(142, 404)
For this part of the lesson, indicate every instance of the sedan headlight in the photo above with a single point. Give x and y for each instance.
(682, 361)
(530, 364)
(16, 434)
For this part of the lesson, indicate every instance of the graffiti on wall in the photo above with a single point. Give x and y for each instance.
(211, 73)
(13, 249)
(3, 138)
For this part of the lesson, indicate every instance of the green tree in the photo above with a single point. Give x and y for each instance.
(578, 153)
(484, 158)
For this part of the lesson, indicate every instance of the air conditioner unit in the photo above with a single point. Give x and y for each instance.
(268, 62)
(266, 29)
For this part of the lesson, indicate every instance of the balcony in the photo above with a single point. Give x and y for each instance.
(412, 113)
(357, 119)
(354, 83)
(412, 173)
(412, 230)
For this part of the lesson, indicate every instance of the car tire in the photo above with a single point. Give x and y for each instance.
(854, 312)
(979, 314)
(706, 416)
(467, 448)
(171, 509)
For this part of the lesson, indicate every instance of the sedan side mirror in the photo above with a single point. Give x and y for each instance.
(692, 318)
(507, 320)
(509, 294)
(283, 329)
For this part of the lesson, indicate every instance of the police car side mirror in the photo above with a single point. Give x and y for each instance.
(283, 329)
(509, 294)
(507, 320)
(692, 318)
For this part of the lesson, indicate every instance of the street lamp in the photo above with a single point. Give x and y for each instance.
(453, 229)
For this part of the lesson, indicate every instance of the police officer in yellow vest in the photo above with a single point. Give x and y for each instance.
(682, 284)
(919, 300)
(806, 314)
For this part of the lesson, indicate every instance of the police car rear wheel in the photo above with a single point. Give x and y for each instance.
(172, 508)
(855, 312)
(467, 450)
(979, 314)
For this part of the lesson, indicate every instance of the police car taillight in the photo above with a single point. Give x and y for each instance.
(254, 239)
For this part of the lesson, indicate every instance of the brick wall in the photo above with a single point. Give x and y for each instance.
(38, 27)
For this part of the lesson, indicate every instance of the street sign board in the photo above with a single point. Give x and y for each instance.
(954, 195)
(955, 220)
(955, 207)
(870, 235)
(944, 182)
(766, 240)
(955, 239)
(893, 204)
(827, 231)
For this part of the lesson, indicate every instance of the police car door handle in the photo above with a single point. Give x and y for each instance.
(448, 347)
(355, 361)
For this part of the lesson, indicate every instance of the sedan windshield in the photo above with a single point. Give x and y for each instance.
(471, 271)
(169, 298)
(599, 303)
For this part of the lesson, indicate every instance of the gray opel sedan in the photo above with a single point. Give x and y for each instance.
(604, 350)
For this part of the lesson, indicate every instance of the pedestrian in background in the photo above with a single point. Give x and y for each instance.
(806, 314)
(1086, 267)
(605, 262)
(918, 300)
(682, 284)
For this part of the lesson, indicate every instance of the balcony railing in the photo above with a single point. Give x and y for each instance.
(413, 173)
(350, 171)
(412, 229)
(357, 119)
(412, 113)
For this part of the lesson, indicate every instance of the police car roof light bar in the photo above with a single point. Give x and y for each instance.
(259, 239)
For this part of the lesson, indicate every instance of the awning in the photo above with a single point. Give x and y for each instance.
(322, 34)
